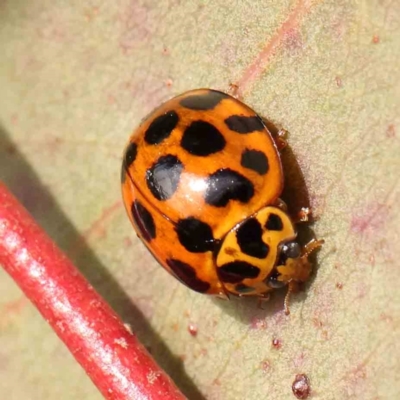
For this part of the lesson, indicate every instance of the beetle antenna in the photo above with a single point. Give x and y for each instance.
(287, 297)
(312, 246)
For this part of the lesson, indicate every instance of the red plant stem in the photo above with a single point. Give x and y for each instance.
(113, 358)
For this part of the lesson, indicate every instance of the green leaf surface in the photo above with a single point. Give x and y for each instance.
(77, 77)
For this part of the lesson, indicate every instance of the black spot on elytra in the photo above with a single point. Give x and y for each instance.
(236, 271)
(194, 235)
(274, 223)
(226, 184)
(128, 159)
(255, 160)
(242, 124)
(242, 288)
(143, 220)
(130, 155)
(161, 127)
(249, 238)
(273, 282)
(202, 139)
(187, 275)
(206, 101)
(163, 177)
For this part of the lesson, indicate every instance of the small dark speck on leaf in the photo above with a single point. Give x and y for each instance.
(391, 131)
(276, 343)
(265, 365)
(192, 328)
(301, 386)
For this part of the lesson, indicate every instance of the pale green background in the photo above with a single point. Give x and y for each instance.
(77, 76)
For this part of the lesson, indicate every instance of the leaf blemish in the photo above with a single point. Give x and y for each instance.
(370, 220)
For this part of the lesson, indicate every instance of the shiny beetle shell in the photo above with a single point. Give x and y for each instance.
(201, 180)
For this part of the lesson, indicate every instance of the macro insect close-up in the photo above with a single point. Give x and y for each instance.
(199, 200)
(201, 180)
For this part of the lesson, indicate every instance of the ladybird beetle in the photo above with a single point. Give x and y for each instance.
(201, 180)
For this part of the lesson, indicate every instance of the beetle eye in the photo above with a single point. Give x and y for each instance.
(291, 250)
(273, 282)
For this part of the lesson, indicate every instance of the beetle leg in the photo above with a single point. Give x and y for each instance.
(262, 299)
(279, 135)
(233, 90)
(280, 139)
(303, 215)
